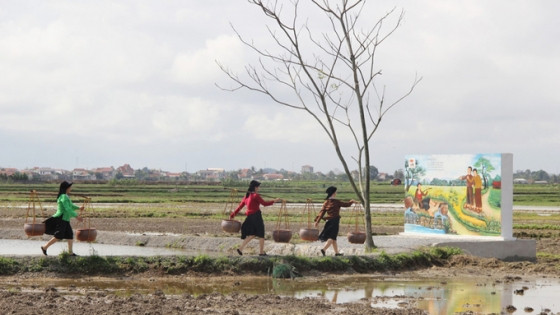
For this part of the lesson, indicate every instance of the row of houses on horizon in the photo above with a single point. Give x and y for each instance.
(127, 172)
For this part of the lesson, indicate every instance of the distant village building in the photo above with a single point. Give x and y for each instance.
(43, 173)
(245, 173)
(8, 171)
(155, 175)
(520, 181)
(82, 174)
(104, 172)
(306, 169)
(46, 171)
(126, 171)
(172, 175)
(273, 176)
(63, 174)
(212, 174)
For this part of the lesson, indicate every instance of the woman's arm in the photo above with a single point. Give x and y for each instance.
(347, 204)
(239, 207)
(265, 203)
(319, 217)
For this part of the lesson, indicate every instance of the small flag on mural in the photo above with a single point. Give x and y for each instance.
(411, 163)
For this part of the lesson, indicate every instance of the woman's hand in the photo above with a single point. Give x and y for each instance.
(316, 224)
(231, 216)
(82, 208)
(277, 199)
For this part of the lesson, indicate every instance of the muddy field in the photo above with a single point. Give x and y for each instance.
(31, 294)
(51, 302)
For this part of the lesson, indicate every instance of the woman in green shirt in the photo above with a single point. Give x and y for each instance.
(59, 224)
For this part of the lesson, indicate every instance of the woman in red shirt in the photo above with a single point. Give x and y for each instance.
(331, 208)
(253, 226)
(423, 203)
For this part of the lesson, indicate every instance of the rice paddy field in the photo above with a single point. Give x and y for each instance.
(292, 192)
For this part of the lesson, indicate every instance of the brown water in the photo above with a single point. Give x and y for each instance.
(435, 296)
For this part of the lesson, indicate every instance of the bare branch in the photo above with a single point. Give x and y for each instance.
(331, 76)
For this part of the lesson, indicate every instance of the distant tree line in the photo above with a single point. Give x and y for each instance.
(540, 175)
(17, 177)
(147, 175)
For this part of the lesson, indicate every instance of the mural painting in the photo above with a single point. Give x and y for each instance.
(453, 194)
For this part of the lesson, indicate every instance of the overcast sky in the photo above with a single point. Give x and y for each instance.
(87, 84)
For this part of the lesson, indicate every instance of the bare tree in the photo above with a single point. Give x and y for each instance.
(412, 173)
(331, 76)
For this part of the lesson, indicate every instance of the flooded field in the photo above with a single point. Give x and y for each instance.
(448, 286)
(435, 296)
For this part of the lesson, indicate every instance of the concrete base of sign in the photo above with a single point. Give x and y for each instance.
(507, 250)
(488, 247)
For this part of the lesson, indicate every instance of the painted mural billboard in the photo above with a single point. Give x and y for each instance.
(453, 194)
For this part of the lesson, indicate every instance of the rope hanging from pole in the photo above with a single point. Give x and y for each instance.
(228, 225)
(309, 233)
(87, 233)
(231, 202)
(356, 236)
(34, 228)
(282, 235)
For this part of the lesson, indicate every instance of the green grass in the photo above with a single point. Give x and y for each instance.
(111, 265)
(548, 257)
(293, 192)
(495, 198)
(9, 266)
(536, 227)
(536, 195)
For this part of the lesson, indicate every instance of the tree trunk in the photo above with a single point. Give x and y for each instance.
(317, 74)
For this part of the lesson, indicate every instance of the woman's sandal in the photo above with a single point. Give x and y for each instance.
(44, 251)
(239, 252)
(263, 254)
(323, 252)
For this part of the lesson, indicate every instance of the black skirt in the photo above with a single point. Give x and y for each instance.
(330, 231)
(58, 228)
(253, 225)
(426, 203)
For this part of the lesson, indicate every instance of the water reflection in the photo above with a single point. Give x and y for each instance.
(461, 296)
(434, 296)
(448, 297)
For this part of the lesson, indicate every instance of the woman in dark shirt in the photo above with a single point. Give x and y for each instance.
(331, 208)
